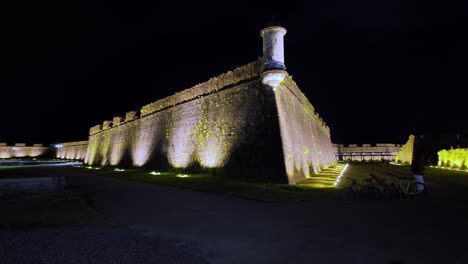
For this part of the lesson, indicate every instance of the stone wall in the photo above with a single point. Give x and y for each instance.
(405, 155)
(366, 152)
(21, 150)
(305, 137)
(71, 150)
(228, 125)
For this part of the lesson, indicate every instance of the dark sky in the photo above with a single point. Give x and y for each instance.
(376, 71)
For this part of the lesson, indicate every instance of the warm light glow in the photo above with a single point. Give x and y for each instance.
(405, 155)
(21, 151)
(448, 168)
(180, 147)
(118, 169)
(213, 154)
(147, 135)
(117, 146)
(453, 158)
(186, 128)
(155, 173)
(182, 175)
(341, 175)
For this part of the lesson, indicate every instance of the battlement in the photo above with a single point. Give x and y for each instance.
(214, 84)
(292, 86)
(3, 144)
(19, 150)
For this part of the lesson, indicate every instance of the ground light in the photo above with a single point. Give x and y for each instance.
(447, 168)
(155, 173)
(182, 175)
(341, 174)
(117, 169)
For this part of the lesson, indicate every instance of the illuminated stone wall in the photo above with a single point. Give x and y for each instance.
(20, 150)
(71, 150)
(227, 125)
(406, 153)
(306, 139)
(453, 158)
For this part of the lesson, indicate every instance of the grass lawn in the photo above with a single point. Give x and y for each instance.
(46, 209)
(318, 186)
(361, 171)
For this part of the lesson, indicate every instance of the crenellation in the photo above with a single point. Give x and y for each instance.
(106, 124)
(95, 129)
(214, 84)
(129, 116)
(116, 121)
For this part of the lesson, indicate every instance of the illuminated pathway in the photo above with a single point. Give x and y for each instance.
(327, 178)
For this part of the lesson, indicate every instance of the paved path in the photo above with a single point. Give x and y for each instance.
(223, 229)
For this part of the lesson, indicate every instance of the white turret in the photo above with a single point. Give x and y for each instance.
(273, 56)
(273, 47)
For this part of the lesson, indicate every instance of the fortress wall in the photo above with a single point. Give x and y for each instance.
(369, 148)
(235, 129)
(367, 152)
(405, 155)
(305, 137)
(231, 124)
(71, 150)
(20, 150)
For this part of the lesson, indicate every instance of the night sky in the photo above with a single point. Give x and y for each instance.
(376, 71)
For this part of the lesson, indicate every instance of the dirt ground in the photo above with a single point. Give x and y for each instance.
(223, 229)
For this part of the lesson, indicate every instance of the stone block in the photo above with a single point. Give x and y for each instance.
(116, 121)
(106, 124)
(130, 116)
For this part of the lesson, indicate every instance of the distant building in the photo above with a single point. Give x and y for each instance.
(366, 152)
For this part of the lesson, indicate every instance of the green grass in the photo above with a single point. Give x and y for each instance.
(249, 188)
(361, 171)
(46, 209)
(318, 186)
(444, 176)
